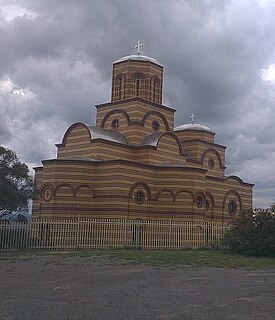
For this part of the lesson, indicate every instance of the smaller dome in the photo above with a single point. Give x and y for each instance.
(194, 126)
(138, 57)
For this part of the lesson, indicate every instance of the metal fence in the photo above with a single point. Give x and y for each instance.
(105, 233)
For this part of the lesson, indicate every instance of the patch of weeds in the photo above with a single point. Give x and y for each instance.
(156, 258)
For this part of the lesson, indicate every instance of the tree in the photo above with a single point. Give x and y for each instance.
(253, 233)
(16, 185)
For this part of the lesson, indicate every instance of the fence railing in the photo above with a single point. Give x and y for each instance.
(106, 233)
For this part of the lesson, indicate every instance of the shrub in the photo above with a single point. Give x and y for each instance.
(252, 234)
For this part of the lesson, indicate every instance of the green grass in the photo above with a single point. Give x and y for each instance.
(196, 258)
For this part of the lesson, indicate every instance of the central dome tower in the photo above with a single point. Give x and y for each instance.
(137, 76)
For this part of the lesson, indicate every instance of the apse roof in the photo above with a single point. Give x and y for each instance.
(110, 135)
(138, 57)
(152, 139)
(194, 126)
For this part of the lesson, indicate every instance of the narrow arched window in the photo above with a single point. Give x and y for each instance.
(154, 89)
(119, 88)
(137, 83)
(232, 207)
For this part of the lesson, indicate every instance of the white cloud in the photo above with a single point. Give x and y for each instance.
(13, 11)
(7, 87)
(269, 73)
(266, 3)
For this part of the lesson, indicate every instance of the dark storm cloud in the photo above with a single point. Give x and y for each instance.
(61, 52)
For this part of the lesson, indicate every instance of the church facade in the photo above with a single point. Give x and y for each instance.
(134, 163)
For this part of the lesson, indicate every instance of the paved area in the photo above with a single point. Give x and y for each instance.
(93, 288)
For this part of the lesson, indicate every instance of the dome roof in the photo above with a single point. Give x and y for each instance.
(194, 126)
(138, 57)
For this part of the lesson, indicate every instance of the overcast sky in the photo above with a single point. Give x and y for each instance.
(219, 62)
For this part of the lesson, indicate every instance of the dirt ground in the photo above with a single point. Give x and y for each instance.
(52, 287)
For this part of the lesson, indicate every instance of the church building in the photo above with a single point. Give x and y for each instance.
(135, 164)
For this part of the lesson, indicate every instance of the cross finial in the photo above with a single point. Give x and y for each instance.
(138, 46)
(193, 116)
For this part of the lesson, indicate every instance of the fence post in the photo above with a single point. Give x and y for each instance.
(125, 232)
(77, 234)
(170, 234)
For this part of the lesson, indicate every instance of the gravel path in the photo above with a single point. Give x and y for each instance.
(60, 288)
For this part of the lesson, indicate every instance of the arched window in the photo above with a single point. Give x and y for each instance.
(199, 201)
(115, 124)
(155, 126)
(137, 84)
(232, 207)
(120, 87)
(207, 205)
(154, 89)
(211, 163)
(139, 197)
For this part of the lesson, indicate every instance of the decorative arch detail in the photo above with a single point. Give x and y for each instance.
(235, 178)
(66, 185)
(150, 113)
(138, 75)
(120, 76)
(185, 191)
(115, 111)
(167, 191)
(235, 193)
(81, 186)
(199, 193)
(172, 134)
(155, 78)
(210, 196)
(44, 187)
(63, 143)
(215, 152)
(143, 185)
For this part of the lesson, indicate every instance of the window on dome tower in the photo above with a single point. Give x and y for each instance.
(137, 80)
(155, 89)
(119, 88)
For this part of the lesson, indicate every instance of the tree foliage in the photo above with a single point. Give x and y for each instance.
(16, 185)
(252, 234)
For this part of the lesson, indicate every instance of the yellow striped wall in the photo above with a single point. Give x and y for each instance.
(112, 181)
(136, 110)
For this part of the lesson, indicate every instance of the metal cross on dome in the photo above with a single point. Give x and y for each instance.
(192, 117)
(138, 46)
